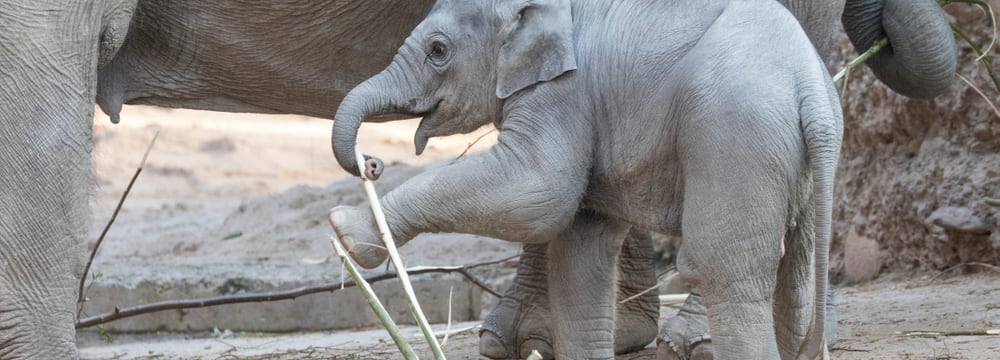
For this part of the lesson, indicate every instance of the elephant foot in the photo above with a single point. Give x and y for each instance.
(698, 351)
(685, 336)
(355, 227)
(517, 326)
(636, 323)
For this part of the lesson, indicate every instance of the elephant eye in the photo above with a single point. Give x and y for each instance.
(437, 52)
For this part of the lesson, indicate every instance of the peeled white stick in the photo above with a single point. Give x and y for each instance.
(672, 299)
(366, 290)
(390, 246)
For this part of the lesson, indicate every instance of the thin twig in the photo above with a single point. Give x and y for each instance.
(981, 94)
(948, 270)
(376, 305)
(121, 313)
(390, 245)
(983, 57)
(986, 8)
(100, 239)
(651, 288)
(478, 283)
(473, 143)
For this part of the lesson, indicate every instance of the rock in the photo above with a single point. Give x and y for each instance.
(959, 219)
(861, 258)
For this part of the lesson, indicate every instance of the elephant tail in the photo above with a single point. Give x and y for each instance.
(822, 127)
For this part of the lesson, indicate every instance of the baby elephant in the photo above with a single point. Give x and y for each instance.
(685, 117)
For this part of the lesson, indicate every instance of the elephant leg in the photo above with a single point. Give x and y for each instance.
(519, 323)
(46, 112)
(795, 289)
(521, 318)
(685, 336)
(732, 252)
(636, 318)
(582, 272)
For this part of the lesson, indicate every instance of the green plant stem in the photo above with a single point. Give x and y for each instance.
(376, 305)
(992, 201)
(983, 57)
(861, 58)
(390, 246)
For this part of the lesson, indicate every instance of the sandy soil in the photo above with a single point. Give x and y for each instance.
(874, 319)
(212, 176)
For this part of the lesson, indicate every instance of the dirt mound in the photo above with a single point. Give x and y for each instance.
(913, 173)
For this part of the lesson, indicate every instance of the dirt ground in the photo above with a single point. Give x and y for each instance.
(211, 173)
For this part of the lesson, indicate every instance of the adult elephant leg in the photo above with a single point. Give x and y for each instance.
(582, 266)
(46, 109)
(520, 320)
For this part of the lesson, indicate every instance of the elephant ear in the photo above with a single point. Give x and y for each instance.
(538, 44)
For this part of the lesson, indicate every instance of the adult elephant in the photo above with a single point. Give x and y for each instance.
(57, 56)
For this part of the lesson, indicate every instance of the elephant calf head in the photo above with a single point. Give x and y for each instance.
(457, 67)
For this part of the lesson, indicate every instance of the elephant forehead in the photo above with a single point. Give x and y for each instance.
(461, 13)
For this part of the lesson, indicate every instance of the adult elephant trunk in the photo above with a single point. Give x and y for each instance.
(383, 97)
(919, 61)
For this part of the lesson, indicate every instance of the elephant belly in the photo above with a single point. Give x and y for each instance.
(650, 197)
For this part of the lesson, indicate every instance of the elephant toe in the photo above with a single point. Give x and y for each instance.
(491, 346)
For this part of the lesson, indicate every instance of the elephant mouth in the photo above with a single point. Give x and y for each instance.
(427, 128)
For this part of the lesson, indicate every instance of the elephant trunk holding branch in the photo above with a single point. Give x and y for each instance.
(610, 118)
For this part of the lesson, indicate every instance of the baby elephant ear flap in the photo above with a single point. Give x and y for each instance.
(538, 44)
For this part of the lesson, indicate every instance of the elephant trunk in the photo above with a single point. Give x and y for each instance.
(360, 103)
(919, 61)
(383, 97)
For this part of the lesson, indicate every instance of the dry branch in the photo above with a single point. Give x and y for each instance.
(121, 313)
(100, 239)
(933, 333)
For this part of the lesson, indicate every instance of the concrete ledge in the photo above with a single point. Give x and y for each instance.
(125, 284)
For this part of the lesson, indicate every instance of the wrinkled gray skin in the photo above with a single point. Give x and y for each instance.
(922, 53)
(609, 119)
(216, 55)
(295, 56)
